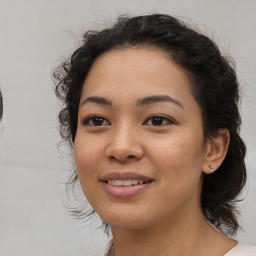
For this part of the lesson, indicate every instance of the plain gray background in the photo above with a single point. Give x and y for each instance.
(35, 35)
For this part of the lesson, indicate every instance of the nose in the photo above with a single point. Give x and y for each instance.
(125, 145)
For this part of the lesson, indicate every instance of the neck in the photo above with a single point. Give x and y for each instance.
(183, 235)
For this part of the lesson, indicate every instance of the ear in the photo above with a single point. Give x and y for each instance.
(216, 150)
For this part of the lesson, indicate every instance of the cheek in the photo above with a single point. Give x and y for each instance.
(87, 156)
(178, 158)
(178, 166)
(86, 153)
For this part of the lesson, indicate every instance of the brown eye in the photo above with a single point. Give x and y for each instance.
(158, 121)
(95, 121)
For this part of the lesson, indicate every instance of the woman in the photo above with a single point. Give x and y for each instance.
(150, 109)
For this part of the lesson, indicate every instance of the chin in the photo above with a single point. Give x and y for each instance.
(126, 219)
(128, 224)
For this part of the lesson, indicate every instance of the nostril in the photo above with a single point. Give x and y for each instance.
(121, 157)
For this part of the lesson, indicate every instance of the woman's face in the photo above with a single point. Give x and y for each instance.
(139, 147)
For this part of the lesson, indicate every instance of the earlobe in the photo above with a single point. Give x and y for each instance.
(216, 150)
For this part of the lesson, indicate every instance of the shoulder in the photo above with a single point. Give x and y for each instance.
(242, 249)
(105, 250)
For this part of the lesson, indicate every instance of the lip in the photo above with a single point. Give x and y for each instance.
(124, 176)
(123, 191)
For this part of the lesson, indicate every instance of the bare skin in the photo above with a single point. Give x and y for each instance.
(185, 238)
(190, 239)
(147, 123)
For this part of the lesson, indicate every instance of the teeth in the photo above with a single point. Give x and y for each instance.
(135, 182)
(125, 183)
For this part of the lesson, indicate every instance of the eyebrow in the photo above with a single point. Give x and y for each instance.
(157, 99)
(140, 102)
(98, 100)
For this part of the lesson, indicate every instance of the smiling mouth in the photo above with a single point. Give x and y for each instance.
(127, 183)
(120, 187)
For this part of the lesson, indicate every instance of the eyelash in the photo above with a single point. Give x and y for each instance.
(86, 122)
(165, 119)
(90, 118)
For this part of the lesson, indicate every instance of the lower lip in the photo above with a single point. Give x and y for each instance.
(123, 191)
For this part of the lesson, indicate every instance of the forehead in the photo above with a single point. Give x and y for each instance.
(127, 74)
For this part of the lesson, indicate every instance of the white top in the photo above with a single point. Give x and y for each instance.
(241, 249)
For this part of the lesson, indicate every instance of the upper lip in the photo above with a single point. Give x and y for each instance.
(124, 176)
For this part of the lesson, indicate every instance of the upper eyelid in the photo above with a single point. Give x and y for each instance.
(88, 118)
(163, 116)
(159, 115)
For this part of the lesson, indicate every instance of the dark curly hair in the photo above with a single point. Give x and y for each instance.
(1, 105)
(214, 86)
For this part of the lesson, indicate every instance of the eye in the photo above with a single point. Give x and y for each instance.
(95, 121)
(158, 120)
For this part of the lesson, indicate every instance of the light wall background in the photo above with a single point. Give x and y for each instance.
(34, 37)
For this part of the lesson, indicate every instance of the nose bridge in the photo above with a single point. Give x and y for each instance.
(125, 142)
